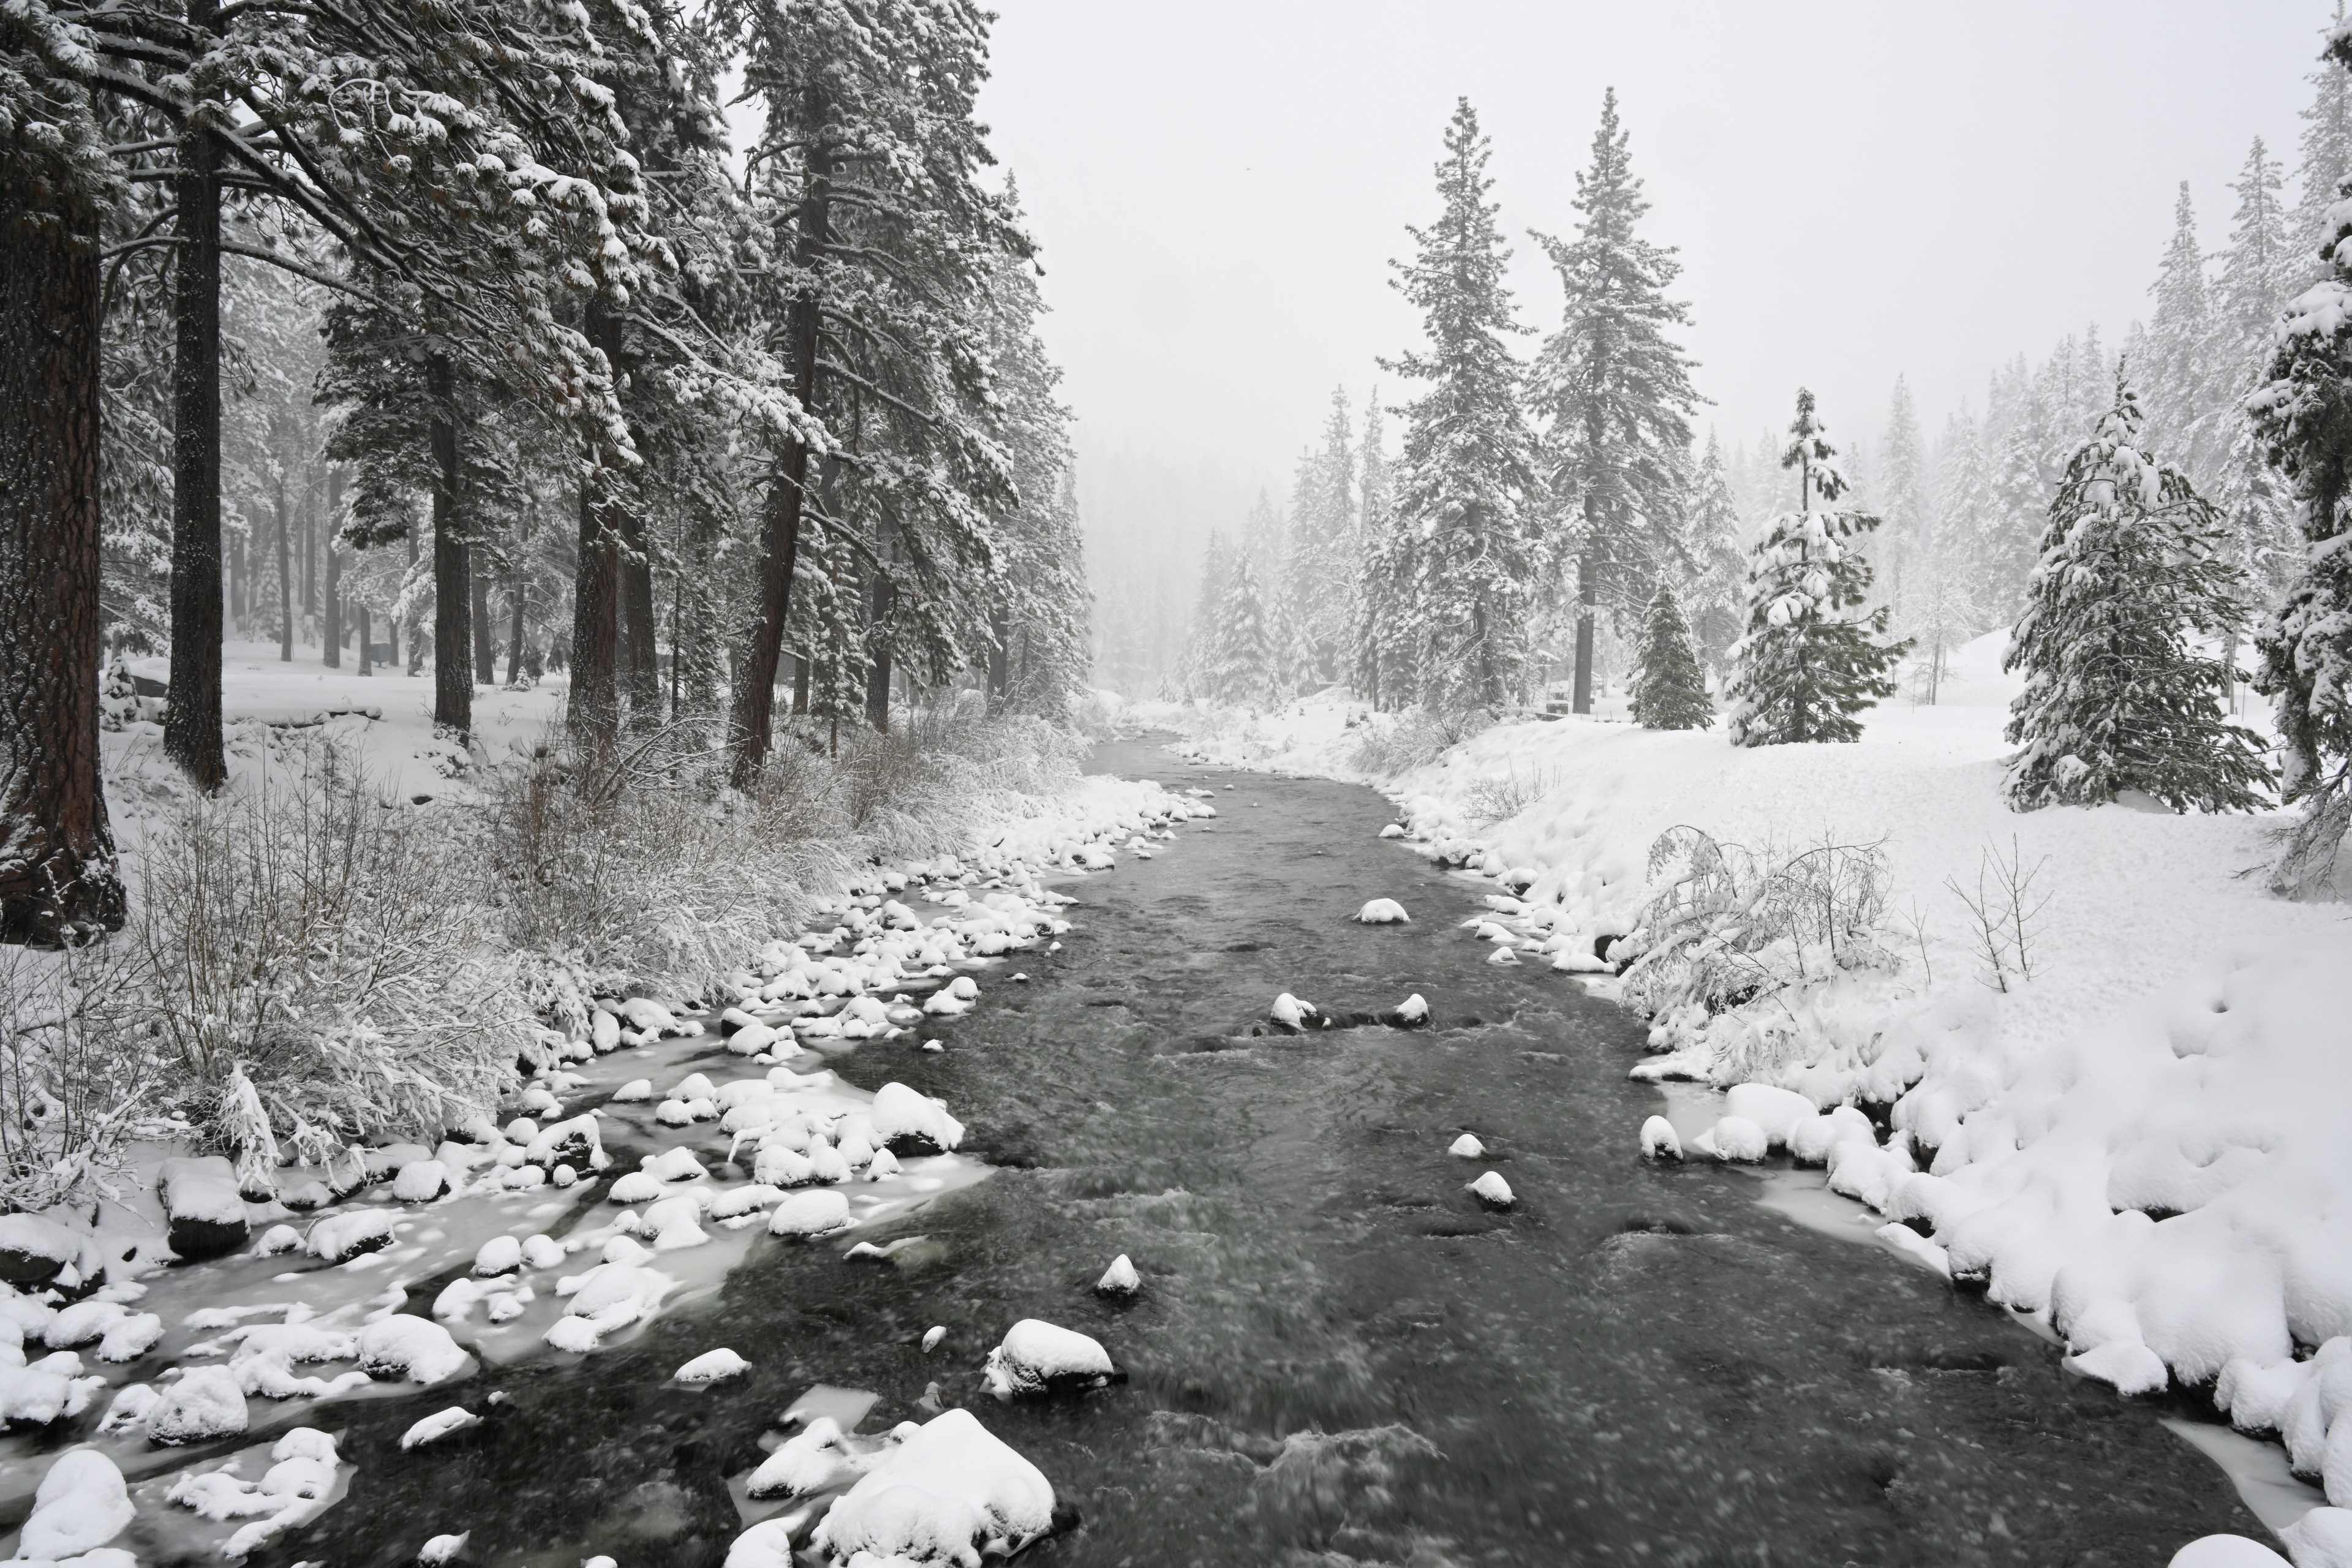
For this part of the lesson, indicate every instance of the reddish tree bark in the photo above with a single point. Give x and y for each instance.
(58, 877)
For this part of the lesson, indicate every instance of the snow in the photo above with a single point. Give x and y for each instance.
(711, 1366)
(810, 1460)
(442, 1549)
(2226, 1551)
(203, 1404)
(1381, 913)
(417, 1349)
(2321, 1539)
(340, 1236)
(1466, 1147)
(1659, 1138)
(1120, 1279)
(950, 1493)
(421, 1181)
(900, 1113)
(1291, 1013)
(1493, 1190)
(811, 1214)
(440, 1425)
(1412, 1011)
(81, 1504)
(1738, 1137)
(1036, 1357)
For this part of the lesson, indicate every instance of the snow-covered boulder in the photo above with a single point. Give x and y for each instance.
(636, 1089)
(2225, 1551)
(1736, 1138)
(950, 1492)
(421, 1181)
(81, 1504)
(1779, 1111)
(1413, 1012)
(1039, 1357)
(609, 1296)
(1493, 1190)
(34, 1250)
(443, 1423)
(710, 1367)
(203, 1204)
(1120, 1279)
(1659, 1140)
(1294, 1014)
(808, 1214)
(911, 1123)
(417, 1349)
(204, 1404)
(1383, 912)
(2321, 1539)
(1466, 1147)
(340, 1237)
(500, 1254)
(810, 1460)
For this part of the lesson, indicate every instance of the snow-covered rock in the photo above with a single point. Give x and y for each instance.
(1466, 1147)
(608, 1298)
(500, 1254)
(81, 1504)
(442, 1424)
(808, 1215)
(34, 1250)
(205, 1403)
(1039, 1357)
(1493, 1190)
(1779, 1111)
(950, 1492)
(421, 1181)
(810, 1460)
(906, 1119)
(636, 1089)
(338, 1237)
(206, 1210)
(1738, 1137)
(1383, 912)
(2320, 1539)
(417, 1349)
(711, 1366)
(2225, 1551)
(1293, 1013)
(1659, 1140)
(1120, 1279)
(443, 1549)
(1411, 1013)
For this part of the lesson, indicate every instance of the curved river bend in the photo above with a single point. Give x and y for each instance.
(1338, 1356)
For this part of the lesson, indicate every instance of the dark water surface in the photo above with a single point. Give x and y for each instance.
(1338, 1355)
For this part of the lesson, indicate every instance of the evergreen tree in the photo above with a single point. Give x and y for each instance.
(1669, 691)
(1388, 584)
(1204, 650)
(2260, 270)
(2303, 650)
(1614, 393)
(1465, 485)
(2117, 698)
(1719, 593)
(1947, 607)
(1319, 562)
(2326, 160)
(1902, 492)
(1244, 673)
(2176, 363)
(1809, 662)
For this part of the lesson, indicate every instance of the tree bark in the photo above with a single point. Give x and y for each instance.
(58, 877)
(878, 664)
(1588, 605)
(486, 630)
(752, 722)
(453, 603)
(367, 665)
(999, 654)
(192, 716)
(285, 582)
(237, 581)
(515, 584)
(334, 574)
(593, 710)
(309, 550)
(800, 685)
(640, 644)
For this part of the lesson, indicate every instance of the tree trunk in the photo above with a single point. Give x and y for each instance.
(999, 653)
(334, 574)
(594, 707)
(877, 666)
(237, 595)
(285, 581)
(514, 641)
(367, 665)
(58, 879)
(452, 630)
(486, 630)
(392, 622)
(800, 685)
(780, 542)
(640, 638)
(192, 716)
(309, 553)
(1588, 605)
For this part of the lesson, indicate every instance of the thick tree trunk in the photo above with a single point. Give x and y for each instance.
(192, 716)
(453, 603)
(367, 664)
(752, 722)
(800, 685)
(334, 574)
(594, 707)
(640, 638)
(58, 879)
(877, 666)
(285, 581)
(514, 640)
(1588, 606)
(309, 554)
(486, 630)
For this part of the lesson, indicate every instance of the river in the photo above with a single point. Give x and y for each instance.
(1338, 1355)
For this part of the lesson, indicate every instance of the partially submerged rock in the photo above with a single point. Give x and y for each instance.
(1493, 1190)
(950, 1493)
(203, 1206)
(1383, 912)
(1038, 1357)
(1120, 1279)
(34, 1251)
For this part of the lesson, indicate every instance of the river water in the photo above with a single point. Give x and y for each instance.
(1338, 1355)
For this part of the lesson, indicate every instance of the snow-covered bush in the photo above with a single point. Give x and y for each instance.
(1497, 798)
(1725, 925)
(75, 1077)
(311, 959)
(1396, 742)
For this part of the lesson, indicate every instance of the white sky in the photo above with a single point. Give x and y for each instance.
(1857, 189)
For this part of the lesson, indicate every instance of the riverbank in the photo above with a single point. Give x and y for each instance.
(2131, 1132)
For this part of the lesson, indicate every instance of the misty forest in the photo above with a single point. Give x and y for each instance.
(1445, 856)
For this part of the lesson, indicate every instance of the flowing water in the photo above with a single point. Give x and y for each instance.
(1338, 1355)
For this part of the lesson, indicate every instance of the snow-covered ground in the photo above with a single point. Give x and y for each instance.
(308, 1294)
(2145, 1144)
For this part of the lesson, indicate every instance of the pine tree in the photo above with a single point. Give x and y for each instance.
(2260, 270)
(1464, 484)
(2116, 697)
(1669, 691)
(1244, 673)
(1204, 648)
(1614, 393)
(1808, 663)
(2176, 364)
(2326, 160)
(1387, 585)
(1902, 492)
(1319, 560)
(1948, 608)
(2303, 650)
(1718, 594)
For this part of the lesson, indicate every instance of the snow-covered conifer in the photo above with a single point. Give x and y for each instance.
(2117, 695)
(2176, 365)
(1614, 393)
(2260, 270)
(1810, 660)
(1718, 595)
(1244, 672)
(1669, 689)
(1388, 584)
(1901, 492)
(2327, 159)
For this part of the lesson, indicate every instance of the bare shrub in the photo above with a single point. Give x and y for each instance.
(314, 959)
(1396, 742)
(1726, 925)
(1496, 799)
(2004, 913)
(78, 1080)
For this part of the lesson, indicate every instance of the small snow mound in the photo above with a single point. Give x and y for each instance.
(808, 1215)
(949, 1493)
(500, 1254)
(2129, 1365)
(1736, 1138)
(1659, 1140)
(767, 1544)
(1410, 1013)
(204, 1404)
(901, 1115)
(2226, 1551)
(1039, 1357)
(421, 1181)
(417, 1349)
(442, 1549)
(1493, 1190)
(435, 1427)
(1393, 830)
(710, 1367)
(1120, 1279)
(1383, 912)
(809, 1460)
(1466, 1147)
(81, 1505)
(1293, 1013)
(636, 1089)
(932, 1336)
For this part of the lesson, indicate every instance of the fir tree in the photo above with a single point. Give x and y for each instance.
(2176, 362)
(1718, 594)
(1204, 650)
(1320, 561)
(1614, 393)
(2303, 650)
(1947, 607)
(1669, 691)
(2117, 698)
(2259, 271)
(1809, 662)
(1902, 492)
(1387, 581)
(1244, 673)
(1464, 484)
(2326, 160)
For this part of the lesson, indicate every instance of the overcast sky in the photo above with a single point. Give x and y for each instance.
(1856, 189)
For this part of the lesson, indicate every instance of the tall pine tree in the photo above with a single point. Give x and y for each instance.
(1810, 660)
(2325, 162)
(1669, 691)
(1901, 493)
(2177, 365)
(2117, 697)
(1614, 393)
(1465, 485)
